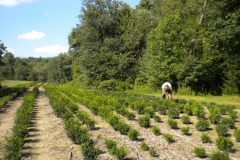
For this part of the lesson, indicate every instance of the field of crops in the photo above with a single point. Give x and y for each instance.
(119, 125)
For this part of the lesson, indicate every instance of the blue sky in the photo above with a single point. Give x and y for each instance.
(39, 28)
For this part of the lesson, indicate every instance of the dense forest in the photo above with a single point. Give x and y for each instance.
(194, 45)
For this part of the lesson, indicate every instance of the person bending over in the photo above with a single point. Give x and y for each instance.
(167, 91)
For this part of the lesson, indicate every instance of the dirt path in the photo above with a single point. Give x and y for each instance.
(47, 139)
(7, 115)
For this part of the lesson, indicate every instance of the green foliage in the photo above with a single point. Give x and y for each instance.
(185, 119)
(149, 110)
(200, 152)
(133, 134)
(221, 129)
(188, 110)
(173, 124)
(228, 122)
(13, 148)
(168, 137)
(185, 130)
(120, 152)
(233, 114)
(152, 152)
(144, 146)
(156, 130)
(202, 125)
(215, 115)
(224, 144)
(205, 138)
(157, 118)
(173, 112)
(237, 135)
(113, 85)
(217, 155)
(144, 121)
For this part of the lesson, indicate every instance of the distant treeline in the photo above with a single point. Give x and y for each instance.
(192, 44)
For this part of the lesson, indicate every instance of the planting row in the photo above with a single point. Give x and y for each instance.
(13, 147)
(8, 94)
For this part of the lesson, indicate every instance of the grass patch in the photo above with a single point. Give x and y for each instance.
(12, 83)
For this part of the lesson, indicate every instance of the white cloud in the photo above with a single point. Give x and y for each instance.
(11, 3)
(54, 49)
(10, 50)
(32, 35)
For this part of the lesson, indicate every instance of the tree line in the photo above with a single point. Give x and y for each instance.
(192, 44)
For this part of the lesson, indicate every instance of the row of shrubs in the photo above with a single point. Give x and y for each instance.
(75, 130)
(10, 93)
(104, 107)
(13, 147)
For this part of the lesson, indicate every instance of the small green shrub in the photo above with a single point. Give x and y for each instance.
(188, 110)
(228, 122)
(153, 152)
(224, 144)
(156, 130)
(205, 138)
(157, 118)
(200, 152)
(215, 115)
(120, 153)
(217, 155)
(162, 109)
(233, 115)
(185, 130)
(168, 137)
(237, 135)
(149, 110)
(173, 124)
(133, 134)
(185, 119)
(173, 113)
(202, 125)
(144, 146)
(144, 121)
(221, 129)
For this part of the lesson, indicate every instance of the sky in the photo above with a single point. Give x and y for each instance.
(39, 28)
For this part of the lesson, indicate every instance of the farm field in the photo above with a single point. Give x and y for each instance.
(115, 125)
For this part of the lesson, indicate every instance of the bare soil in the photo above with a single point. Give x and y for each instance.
(47, 139)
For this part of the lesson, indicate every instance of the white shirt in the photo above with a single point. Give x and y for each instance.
(167, 83)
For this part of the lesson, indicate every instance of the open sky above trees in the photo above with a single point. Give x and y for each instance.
(39, 28)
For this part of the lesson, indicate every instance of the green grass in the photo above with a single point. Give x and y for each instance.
(11, 83)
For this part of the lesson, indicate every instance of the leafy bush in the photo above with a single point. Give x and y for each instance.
(198, 110)
(153, 152)
(149, 110)
(133, 134)
(221, 129)
(228, 122)
(200, 152)
(157, 118)
(162, 109)
(173, 113)
(205, 138)
(113, 85)
(233, 115)
(168, 137)
(173, 124)
(215, 115)
(224, 144)
(217, 155)
(144, 146)
(185, 119)
(185, 130)
(156, 130)
(237, 135)
(144, 121)
(202, 125)
(188, 110)
(120, 153)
